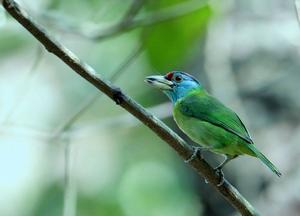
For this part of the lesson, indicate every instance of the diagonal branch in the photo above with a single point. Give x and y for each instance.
(93, 98)
(178, 144)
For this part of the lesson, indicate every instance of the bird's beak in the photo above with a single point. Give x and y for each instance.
(159, 82)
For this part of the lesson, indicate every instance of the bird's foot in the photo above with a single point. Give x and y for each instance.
(197, 152)
(219, 172)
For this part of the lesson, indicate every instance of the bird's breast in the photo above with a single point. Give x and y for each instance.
(196, 129)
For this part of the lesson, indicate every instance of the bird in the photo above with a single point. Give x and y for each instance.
(206, 120)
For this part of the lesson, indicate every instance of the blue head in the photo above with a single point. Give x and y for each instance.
(175, 84)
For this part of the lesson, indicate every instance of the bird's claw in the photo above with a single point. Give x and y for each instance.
(220, 173)
(196, 153)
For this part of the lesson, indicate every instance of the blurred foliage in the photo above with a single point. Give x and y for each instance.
(152, 189)
(13, 42)
(91, 9)
(99, 206)
(169, 44)
(50, 203)
(118, 166)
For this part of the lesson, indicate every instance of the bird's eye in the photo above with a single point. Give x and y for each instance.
(178, 79)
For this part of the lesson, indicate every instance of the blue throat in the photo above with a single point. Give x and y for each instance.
(180, 91)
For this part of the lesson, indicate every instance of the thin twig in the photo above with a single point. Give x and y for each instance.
(152, 18)
(92, 31)
(161, 111)
(124, 65)
(297, 6)
(177, 143)
(70, 198)
(128, 17)
(160, 16)
(133, 10)
(24, 88)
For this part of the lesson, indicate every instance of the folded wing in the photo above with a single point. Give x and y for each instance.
(209, 109)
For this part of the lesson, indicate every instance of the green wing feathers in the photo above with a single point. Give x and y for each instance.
(200, 105)
(206, 108)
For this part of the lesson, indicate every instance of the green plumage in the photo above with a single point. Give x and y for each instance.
(205, 119)
(209, 123)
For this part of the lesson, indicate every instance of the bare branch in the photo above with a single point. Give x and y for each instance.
(164, 132)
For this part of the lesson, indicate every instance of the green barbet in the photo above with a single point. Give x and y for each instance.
(206, 120)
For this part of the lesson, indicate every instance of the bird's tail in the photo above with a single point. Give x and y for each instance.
(265, 160)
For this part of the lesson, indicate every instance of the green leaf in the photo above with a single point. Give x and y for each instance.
(168, 44)
(50, 202)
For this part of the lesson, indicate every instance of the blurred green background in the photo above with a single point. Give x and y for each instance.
(65, 149)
